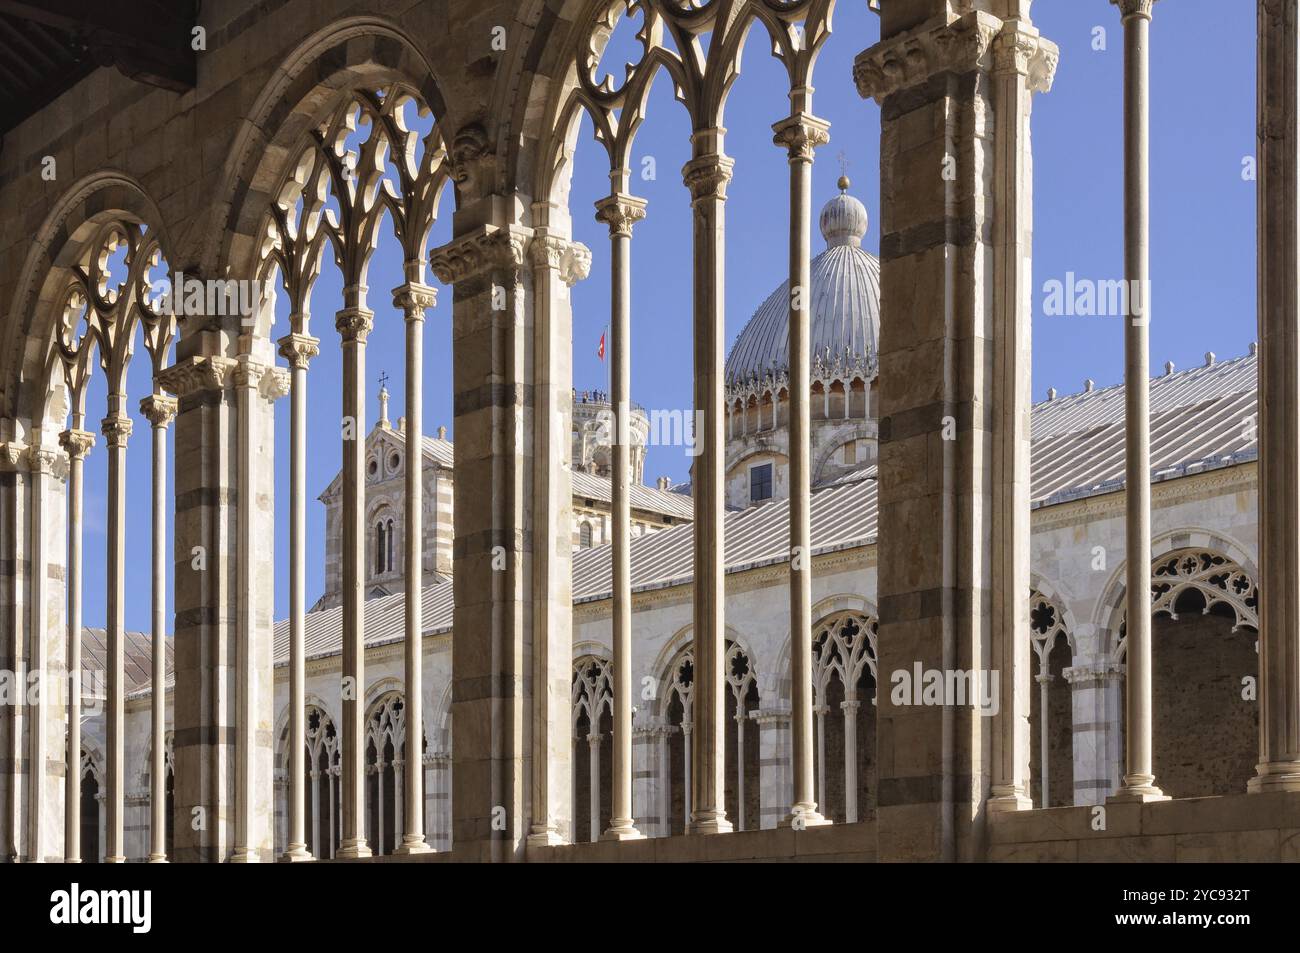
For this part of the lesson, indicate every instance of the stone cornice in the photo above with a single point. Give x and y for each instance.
(1110, 505)
(959, 46)
(910, 58)
(488, 249)
(196, 374)
(620, 212)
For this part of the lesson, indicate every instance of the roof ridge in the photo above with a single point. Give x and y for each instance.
(1097, 391)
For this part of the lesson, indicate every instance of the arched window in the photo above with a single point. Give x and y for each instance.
(741, 790)
(91, 810)
(1051, 719)
(386, 764)
(584, 535)
(169, 789)
(388, 539)
(844, 703)
(322, 797)
(592, 747)
(1205, 713)
(381, 547)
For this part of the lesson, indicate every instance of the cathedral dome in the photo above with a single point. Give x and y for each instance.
(845, 301)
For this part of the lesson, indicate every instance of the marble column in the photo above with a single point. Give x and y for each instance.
(45, 651)
(645, 794)
(116, 429)
(353, 324)
(1278, 232)
(1096, 701)
(706, 176)
(224, 590)
(77, 443)
(159, 410)
(774, 763)
(620, 211)
(557, 264)
(821, 711)
(1044, 734)
(1139, 779)
(800, 135)
(593, 784)
(953, 85)
(315, 816)
(257, 384)
(298, 349)
(493, 718)
(414, 298)
(1017, 61)
(849, 708)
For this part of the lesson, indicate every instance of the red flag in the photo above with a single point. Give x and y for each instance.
(600, 351)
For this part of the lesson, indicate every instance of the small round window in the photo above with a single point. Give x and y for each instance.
(393, 462)
(374, 467)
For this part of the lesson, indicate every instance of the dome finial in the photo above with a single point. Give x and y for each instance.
(844, 218)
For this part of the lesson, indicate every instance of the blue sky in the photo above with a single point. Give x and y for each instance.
(1202, 254)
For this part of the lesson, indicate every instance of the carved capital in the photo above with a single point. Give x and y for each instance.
(481, 252)
(12, 455)
(269, 381)
(354, 324)
(77, 443)
(414, 299)
(275, 383)
(1025, 53)
(620, 212)
(47, 460)
(777, 717)
(800, 134)
(571, 259)
(913, 57)
(1128, 9)
(707, 177)
(159, 409)
(196, 374)
(298, 349)
(116, 430)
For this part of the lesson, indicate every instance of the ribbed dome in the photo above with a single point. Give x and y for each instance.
(845, 301)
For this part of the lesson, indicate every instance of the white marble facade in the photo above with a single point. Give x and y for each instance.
(1201, 503)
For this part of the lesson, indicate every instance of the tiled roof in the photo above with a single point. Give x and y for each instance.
(137, 663)
(1200, 418)
(841, 516)
(647, 498)
(1197, 422)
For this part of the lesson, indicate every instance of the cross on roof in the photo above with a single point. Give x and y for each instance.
(844, 163)
(383, 380)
